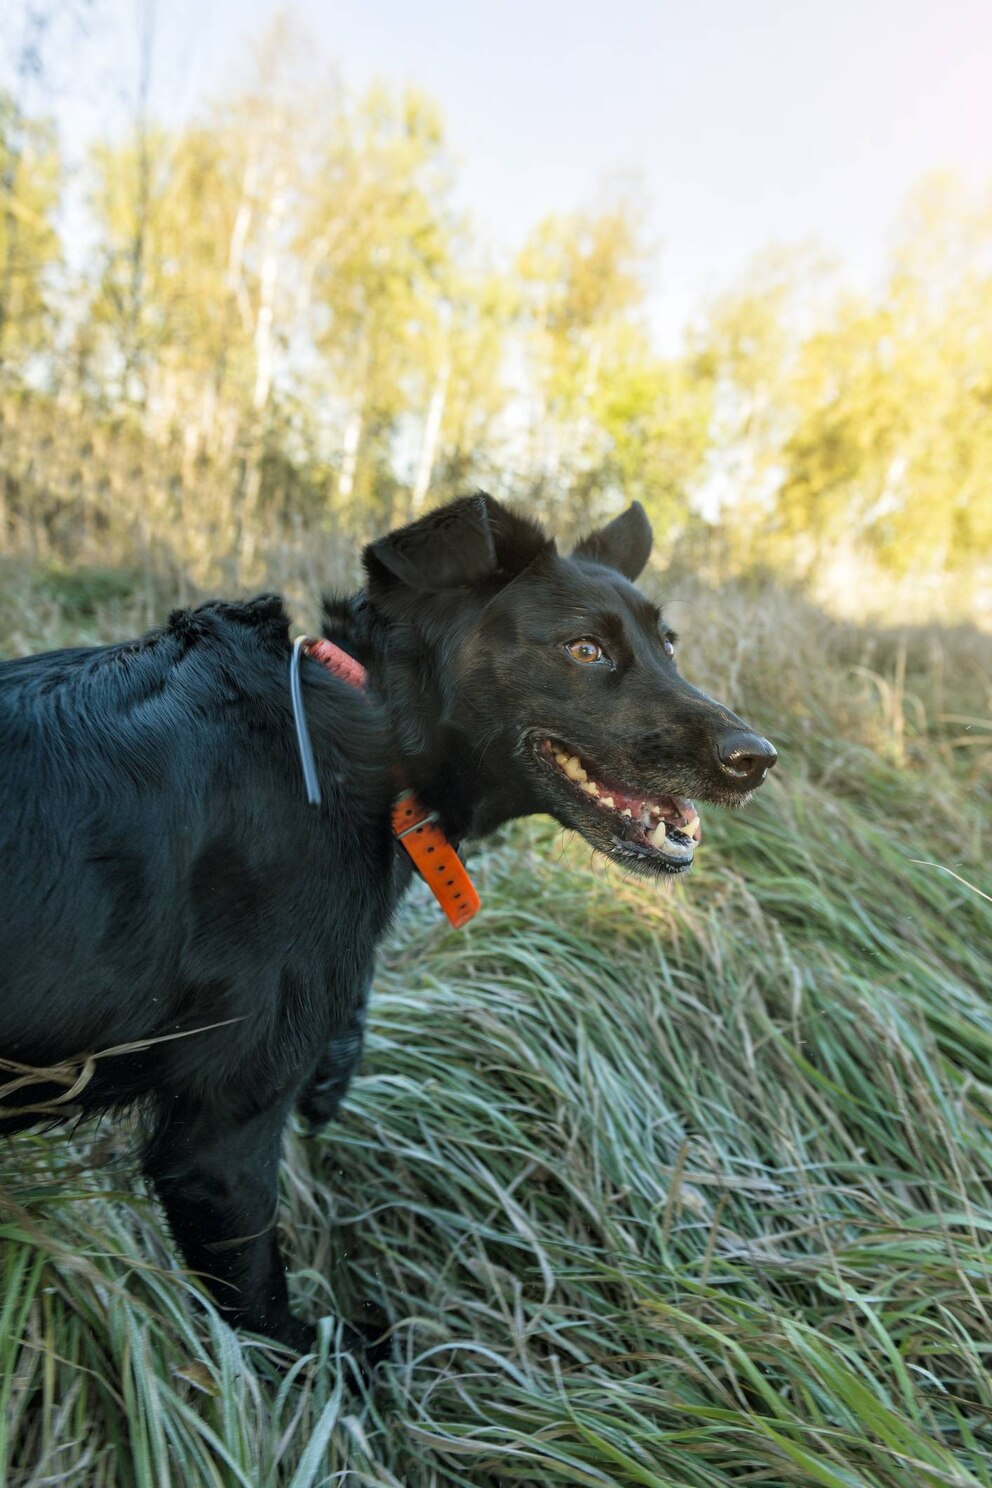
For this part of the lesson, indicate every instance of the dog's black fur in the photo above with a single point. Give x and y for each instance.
(166, 883)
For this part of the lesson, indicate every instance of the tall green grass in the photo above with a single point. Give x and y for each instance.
(656, 1187)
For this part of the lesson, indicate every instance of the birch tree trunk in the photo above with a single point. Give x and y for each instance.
(432, 431)
(264, 334)
(134, 371)
(349, 451)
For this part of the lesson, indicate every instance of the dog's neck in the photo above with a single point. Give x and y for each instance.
(446, 769)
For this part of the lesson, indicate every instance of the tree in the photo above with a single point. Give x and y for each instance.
(29, 244)
(892, 439)
(376, 241)
(852, 429)
(610, 419)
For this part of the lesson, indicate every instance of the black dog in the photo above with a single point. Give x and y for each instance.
(166, 883)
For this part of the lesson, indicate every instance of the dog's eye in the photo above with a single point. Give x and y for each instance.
(585, 650)
(668, 647)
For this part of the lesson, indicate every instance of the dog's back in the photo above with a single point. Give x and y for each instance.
(153, 824)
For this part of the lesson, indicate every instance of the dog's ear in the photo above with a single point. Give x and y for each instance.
(518, 540)
(624, 543)
(465, 542)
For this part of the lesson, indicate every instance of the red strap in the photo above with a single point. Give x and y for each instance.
(413, 825)
(340, 663)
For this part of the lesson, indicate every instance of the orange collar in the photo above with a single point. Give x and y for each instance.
(414, 827)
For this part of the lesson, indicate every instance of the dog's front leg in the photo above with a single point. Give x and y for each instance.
(338, 1060)
(216, 1176)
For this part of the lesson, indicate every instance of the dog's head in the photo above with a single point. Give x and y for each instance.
(534, 682)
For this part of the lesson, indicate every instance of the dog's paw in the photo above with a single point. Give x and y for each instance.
(361, 1345)
(372, 1327)
(319, 1105)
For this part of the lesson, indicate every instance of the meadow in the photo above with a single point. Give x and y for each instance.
(681, 1188)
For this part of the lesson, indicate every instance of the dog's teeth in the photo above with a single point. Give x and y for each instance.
(627, 813)
(691, 827)
(573, 769)
(608, 801)
(561, 759)
(668, 845)
(590, 787)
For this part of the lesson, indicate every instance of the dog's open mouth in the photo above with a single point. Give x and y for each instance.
(660, 831)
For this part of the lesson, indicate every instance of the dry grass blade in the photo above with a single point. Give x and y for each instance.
(75, 1074)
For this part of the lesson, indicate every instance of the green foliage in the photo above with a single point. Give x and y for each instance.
(862, 424)
(84, 591)
(29, 191)
(656, 419)
(285, 303)
(611, 420)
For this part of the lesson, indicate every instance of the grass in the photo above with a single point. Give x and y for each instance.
(687, 1188)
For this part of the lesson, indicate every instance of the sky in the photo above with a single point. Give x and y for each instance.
(746, 123)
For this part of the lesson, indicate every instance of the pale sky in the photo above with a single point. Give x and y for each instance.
(747, 122)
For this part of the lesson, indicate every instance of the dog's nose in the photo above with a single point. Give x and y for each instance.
(745, 756)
